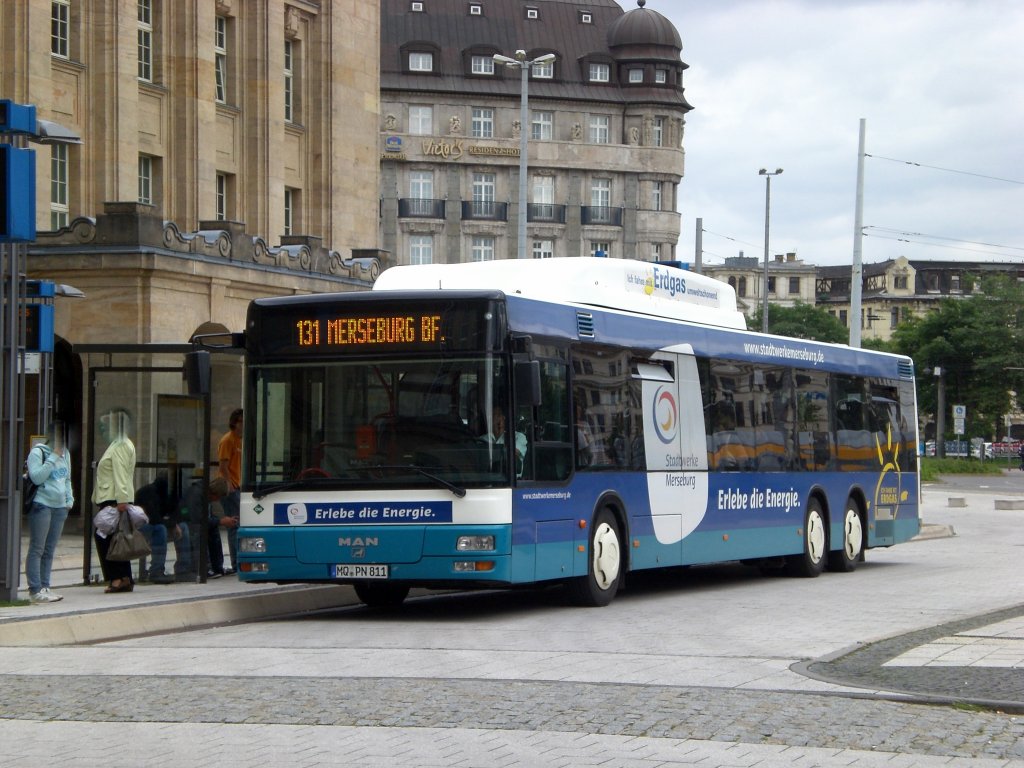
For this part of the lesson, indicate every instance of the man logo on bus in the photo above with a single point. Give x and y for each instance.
(666, 416)
(297, 514)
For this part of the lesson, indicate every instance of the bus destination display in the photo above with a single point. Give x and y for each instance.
(369, 330)
(308, 329)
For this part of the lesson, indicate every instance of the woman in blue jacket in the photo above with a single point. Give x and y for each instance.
(49, 467)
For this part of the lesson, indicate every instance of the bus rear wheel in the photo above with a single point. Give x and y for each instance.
(604, 569)
(380, 594)
(845, 560)
(815, 535)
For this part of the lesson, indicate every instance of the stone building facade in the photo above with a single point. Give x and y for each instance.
(229, 151)
(896, 289)
(790, 280)
(605, 130)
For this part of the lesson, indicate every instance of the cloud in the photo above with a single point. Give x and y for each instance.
(785, 84)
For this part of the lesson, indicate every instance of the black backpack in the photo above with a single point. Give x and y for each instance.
(28, 488)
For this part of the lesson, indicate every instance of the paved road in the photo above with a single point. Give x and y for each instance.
(710, 666)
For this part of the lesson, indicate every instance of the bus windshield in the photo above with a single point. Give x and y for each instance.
(381, 424)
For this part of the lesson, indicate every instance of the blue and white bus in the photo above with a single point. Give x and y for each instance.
(513, 423)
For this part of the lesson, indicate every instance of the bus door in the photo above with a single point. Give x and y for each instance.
(675, 444)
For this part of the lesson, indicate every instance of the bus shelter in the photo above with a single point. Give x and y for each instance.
(175, 437)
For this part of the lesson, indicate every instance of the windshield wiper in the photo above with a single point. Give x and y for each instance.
(266, 490)
(455, 489)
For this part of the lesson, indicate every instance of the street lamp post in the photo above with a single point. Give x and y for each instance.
(940, 413)
(524, 65)
(767, 219)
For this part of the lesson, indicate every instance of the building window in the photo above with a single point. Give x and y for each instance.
(954, 283)
(771, 286)
(58, 186)
(656, 195)
(532, 13)
(483, 249)
(542, 128)
(220, 58)
(599, 129)
(601, 193)
(482, 65)
(421, 62)
(146, 179)
(844, 317)
(421, 249)
(636, 75)
(483, 123)
(600, 249)
(60, 21)
(900, 282)
(586, 18)
(794, 286)
(658, 132)
(421, 192)
(289, 81)
(291, 211)
(599, 73)
(932, 281)
(661, 76)
(421, 120)
(543, 249)
(544, 196)
(416, 7)
(225, 196)
(145, 40)
(741, 287)
(656, 251)
(475, 9)
(483, 194)
(894, 317)
(543, 71)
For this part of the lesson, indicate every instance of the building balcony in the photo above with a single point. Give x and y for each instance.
(420, 208)
(546, 212)
(485, 210)
(601, 214)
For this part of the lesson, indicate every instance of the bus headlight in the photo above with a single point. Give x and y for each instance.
(475, 544)
(252, 544)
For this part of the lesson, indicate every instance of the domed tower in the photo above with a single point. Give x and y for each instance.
(647, 48)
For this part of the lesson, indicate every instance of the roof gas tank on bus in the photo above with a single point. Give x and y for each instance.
(647, 288)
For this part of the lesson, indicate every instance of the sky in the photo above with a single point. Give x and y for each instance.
(785, 84)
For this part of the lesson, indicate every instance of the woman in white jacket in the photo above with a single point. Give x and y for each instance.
(49, 467)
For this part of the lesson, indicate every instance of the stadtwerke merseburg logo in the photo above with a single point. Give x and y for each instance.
(666, 415)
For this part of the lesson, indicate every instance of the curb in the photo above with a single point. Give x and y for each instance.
(103, 625)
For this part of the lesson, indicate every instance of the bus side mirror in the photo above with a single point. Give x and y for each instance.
(527, 382)
(197, 372)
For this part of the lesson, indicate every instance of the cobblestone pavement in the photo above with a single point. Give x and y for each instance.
(827, 722)
(720, 668)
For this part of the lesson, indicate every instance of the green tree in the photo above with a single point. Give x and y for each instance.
(978, 342)
(802, 321)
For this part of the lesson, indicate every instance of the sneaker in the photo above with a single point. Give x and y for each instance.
(229, 571)
(44, 596)
(54, 597)
(214, 574)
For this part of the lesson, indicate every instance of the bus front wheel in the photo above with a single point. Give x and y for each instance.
(380, 594)
(604, 567)
(815, 535)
